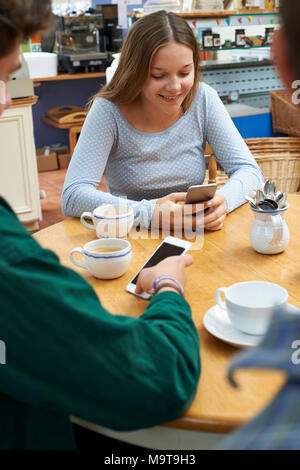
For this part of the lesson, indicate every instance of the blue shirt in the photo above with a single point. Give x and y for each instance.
(277, 427)
(143, 166)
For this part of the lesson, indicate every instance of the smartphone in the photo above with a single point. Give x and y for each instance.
(200, 193)
(170, 246)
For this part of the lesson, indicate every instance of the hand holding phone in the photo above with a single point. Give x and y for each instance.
(200, 193)
(215, 215)
(172, 266)
(164, 261)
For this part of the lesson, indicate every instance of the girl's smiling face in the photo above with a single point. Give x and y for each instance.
(171, 78)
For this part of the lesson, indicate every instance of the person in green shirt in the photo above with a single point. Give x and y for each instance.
(65, 355)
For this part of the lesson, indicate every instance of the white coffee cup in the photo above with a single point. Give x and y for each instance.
(250, 304)
(104, 265)
(110, 221)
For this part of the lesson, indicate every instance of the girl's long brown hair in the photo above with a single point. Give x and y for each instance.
(142, 41)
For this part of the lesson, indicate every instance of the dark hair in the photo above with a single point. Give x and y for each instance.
(143, 40)
(21, 19)
(290, 12)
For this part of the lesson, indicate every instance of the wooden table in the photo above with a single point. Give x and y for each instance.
(226, 258)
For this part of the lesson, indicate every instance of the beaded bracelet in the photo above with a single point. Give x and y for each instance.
(171, 278)
(167, 284)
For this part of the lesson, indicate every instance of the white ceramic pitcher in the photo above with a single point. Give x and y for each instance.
(269, 232)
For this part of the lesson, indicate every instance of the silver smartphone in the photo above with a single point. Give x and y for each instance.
(200, 193)
(170, 246)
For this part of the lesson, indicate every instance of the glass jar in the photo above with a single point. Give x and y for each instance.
(240, 38)
(207, 39)
(269, 36)
(217, 41)
(269, 4)
(269, 233)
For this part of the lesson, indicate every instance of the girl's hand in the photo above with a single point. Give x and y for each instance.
(168, 211)
(216, 212)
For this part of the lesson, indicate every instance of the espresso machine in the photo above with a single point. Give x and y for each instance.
(110, 34)
(78, 44)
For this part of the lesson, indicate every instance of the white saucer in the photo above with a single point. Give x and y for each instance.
(217, 322)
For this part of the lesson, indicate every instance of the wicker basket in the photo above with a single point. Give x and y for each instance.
(285, 115)
(278, 159)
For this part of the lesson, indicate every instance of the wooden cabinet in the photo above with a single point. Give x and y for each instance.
(18, 168)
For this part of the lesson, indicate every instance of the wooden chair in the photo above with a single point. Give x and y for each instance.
(213, 175)
(212, 170)
(73, 137)
(73, 128)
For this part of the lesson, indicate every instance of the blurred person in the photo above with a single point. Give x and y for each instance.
(277, 427)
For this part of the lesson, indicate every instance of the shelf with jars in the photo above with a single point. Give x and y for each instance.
(236, 54)
(227, 30)
(234, 48)
(240, 29)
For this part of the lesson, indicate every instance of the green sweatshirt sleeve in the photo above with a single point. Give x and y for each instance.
(66, 353)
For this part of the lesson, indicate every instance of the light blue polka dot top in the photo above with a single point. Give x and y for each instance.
(142, 167)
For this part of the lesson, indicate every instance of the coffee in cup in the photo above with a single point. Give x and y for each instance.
(110, 221)
(106, 250)
(107, 258)
(250, 304)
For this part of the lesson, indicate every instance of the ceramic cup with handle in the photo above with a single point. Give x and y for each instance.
(110, 221)
(250, 304)
(107, 258)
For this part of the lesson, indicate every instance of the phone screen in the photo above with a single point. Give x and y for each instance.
(164, 251)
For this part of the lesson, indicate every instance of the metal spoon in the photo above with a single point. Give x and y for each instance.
(252, 201)
(281, 201)
(272, 203)
(259, 196)
(277, 196)
(266, 205)
(269, 189)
